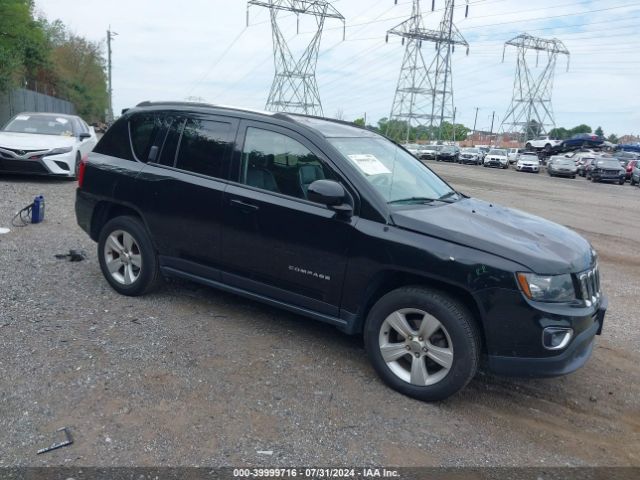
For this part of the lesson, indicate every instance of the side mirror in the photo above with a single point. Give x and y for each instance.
(331, 194)
(84, 136)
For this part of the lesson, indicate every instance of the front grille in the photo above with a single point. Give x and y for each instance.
(589, 282)
(611, 172)
(19, 152)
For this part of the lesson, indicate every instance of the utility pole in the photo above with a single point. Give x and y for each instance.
(531, 101)
(294, 87)
(493, 117)
(424, 95)
(110, 37)
(455, 110)
(475, 122)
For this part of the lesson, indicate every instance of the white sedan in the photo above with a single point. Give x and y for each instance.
(45, 144)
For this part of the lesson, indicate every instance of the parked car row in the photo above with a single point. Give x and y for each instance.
(590, 164)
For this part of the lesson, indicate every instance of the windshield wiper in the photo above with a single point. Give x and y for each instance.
(448, 195)
(413, 200)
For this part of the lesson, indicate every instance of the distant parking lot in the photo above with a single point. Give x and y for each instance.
(193, 376)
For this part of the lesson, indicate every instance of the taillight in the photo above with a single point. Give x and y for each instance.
(81, 169)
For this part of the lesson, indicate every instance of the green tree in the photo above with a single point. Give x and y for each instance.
(360, 122)
(23, 48)
(613, 138)
(580, 129)
(599, 132)
(79, 71)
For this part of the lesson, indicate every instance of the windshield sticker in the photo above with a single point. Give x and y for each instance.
(63, 121)
(369, 164)
(22, 118)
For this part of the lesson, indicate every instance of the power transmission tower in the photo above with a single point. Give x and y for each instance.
(424, 95)
(294, 87)
(530, 111)
(110, 37)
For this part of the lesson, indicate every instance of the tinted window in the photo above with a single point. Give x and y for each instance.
(143, 128)
(203, 145)
(276, 162)
(115, 141)
(169, 144)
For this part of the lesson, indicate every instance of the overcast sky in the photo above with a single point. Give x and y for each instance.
(171, 50)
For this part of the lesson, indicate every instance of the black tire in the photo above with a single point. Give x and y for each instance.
(148, 276)
(528, 146)
(632, 182)
(76, 166)
(573, 176)
(453, 316)
(621, 182)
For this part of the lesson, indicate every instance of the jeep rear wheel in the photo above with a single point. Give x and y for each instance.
(127, 257)
(422, 343)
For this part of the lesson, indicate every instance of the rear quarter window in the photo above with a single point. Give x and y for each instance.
(115, 141)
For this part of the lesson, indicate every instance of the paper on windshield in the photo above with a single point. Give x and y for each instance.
(22, 118)
(369, 164)
(62, 120)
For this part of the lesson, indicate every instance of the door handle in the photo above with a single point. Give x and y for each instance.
(245, 207)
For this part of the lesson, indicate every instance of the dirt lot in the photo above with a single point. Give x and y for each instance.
(192, 376)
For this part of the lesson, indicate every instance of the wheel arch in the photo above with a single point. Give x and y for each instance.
(386, 281)
(106, 210)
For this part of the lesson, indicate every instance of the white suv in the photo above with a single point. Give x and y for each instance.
(543, 143)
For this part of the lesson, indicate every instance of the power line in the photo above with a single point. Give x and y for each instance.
(295, 88)
(424, 93)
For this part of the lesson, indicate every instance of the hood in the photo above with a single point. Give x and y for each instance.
(33, 141)
(542, 246)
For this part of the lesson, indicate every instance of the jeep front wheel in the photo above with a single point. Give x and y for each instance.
(422, 343)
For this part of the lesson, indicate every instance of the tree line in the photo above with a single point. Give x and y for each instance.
(397, 130)
(47, 57)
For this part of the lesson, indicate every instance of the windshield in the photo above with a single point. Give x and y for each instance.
(471, 150)
(498, 152)
(395, 174)
(608, 164)
(448, 150)
(564, 161)
(40, 124)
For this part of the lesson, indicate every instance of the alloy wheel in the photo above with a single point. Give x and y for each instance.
(122, 257)
(416, 347)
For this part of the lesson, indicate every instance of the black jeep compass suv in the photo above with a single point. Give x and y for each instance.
(339, 224)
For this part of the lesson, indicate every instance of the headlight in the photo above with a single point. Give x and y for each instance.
(547, 288)
(59, 151)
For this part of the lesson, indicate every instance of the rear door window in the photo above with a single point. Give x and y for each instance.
(143, 128)
(170, 139)
(204, 144)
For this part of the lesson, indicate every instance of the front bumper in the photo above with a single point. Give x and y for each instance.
(564, 173)
(574, 356)
(56, 165)
(607, 178)
(527, 168)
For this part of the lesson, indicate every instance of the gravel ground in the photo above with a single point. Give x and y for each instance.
(192, 376)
